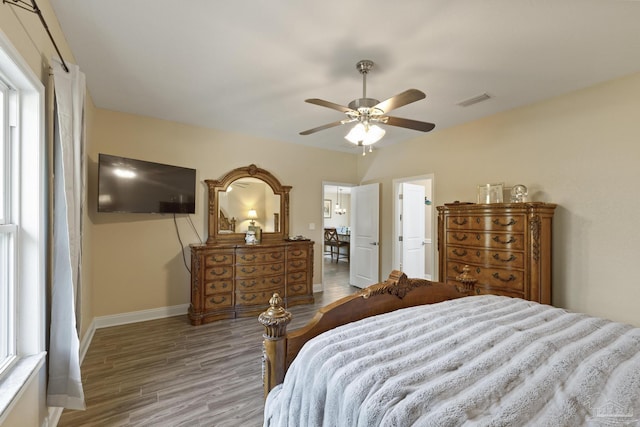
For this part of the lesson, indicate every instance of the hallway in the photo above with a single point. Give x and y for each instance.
(336, 275)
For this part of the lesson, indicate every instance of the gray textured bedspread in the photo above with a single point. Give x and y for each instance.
(481, 360)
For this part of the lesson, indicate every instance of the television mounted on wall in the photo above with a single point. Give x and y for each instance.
(138, 186)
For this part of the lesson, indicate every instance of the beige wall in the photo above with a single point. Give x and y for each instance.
(580, 151)
(136, 261)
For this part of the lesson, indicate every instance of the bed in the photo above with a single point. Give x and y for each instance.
(409, 352)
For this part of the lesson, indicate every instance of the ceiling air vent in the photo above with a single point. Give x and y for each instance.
(474, 100)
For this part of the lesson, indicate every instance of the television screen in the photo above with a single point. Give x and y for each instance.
(137, 186)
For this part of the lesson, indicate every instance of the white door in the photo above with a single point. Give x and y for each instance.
(413, 225)
(364, 256)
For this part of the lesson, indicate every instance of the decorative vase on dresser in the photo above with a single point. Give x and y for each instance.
(232, 278)
(507, 247)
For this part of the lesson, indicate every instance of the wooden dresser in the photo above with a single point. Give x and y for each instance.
(231, 278)
(229, 281)
(506, 245)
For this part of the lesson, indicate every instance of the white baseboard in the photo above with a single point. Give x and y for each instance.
(317, 287)
(86, 339)
(140, 316)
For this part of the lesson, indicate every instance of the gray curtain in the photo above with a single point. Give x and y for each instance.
(65, 383)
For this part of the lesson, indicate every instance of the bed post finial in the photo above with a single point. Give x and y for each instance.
(467, 280)
(275, 321)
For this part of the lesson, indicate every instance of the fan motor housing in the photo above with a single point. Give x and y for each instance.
(363, 103)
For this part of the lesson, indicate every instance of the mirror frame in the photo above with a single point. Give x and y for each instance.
(251, 171)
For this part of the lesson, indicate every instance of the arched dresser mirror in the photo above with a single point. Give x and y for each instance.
(232, 278)
(245, 195)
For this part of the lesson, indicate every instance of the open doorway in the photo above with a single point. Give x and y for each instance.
(413, 226)
(336, 214)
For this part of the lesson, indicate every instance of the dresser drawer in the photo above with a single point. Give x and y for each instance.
(486, 240)
(297, 277)
(254, 298)
(248, 257)
(297, 253)
(258, 284)
(218, 301)
(218, 258)
(297, 289)
(491, 277)
(483, 256)
(218, 273)
(254, 270)
(513, 223)
(218, 286)
(296, 264)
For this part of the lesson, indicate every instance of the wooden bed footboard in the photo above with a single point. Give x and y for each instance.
(281, 347)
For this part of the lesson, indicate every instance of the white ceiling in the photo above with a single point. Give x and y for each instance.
(248, 66)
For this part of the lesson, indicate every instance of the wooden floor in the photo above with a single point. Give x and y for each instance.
(168, 373)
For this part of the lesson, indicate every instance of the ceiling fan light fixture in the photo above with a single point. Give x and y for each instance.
(362, 134)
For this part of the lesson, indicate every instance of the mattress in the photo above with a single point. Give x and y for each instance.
(481, 360)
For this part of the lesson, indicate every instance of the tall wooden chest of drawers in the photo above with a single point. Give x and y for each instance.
(229, 280)
(506, 245)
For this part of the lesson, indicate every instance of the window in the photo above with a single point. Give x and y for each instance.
(7, 230)
(22, 225)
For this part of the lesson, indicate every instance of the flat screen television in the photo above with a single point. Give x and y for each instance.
(138, 186)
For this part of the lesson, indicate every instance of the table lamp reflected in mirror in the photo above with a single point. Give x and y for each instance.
(252, 215)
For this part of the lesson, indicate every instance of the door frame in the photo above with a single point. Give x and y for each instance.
(331, 184)
(396, 229)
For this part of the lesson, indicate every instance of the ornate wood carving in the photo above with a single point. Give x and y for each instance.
(466, 279)
(534, 225)
(275, 319)
(398, 285)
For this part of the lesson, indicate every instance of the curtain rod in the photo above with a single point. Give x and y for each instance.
(33, 8)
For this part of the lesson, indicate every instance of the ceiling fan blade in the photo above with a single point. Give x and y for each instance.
(323, 127)
(397, 101)
(408, 123)
(328, 104)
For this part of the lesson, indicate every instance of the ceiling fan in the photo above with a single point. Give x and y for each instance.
(368, 112)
